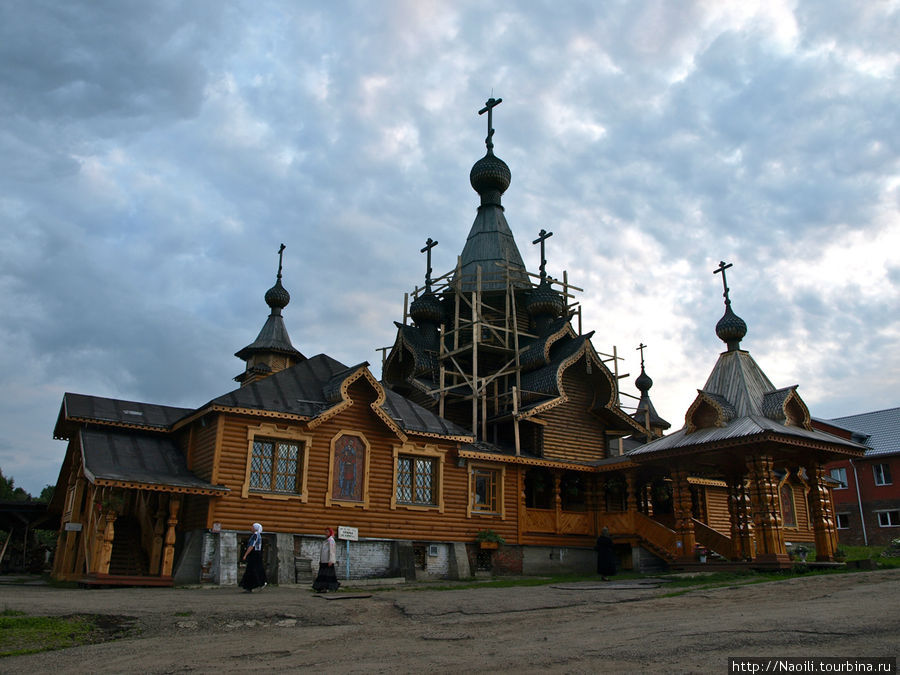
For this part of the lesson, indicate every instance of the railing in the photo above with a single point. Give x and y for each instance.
(659, 538)
(548, 521)
(713, 539)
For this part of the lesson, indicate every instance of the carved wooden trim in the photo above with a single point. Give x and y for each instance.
(275, 432)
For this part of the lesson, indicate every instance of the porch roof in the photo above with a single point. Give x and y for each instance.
(747, 427)
(139, 460)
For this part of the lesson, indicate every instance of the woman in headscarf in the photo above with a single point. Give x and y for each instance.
(327, 580)
(606, 555)
(255, 574)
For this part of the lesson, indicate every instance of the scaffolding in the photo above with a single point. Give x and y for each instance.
(481, 344)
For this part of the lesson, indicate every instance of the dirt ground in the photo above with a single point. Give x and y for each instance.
(620, 626)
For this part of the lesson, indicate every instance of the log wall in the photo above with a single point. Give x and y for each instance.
(572, 433)
(283, 513)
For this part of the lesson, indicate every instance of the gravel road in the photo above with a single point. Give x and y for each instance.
(621, 626)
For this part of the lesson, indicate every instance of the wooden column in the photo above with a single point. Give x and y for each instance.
(631, 497)
(765, 508)
(681, 508)
(64, 565)
(169, 550)
(107, 533)
(159, 525)
(821, 513)
(741, 523)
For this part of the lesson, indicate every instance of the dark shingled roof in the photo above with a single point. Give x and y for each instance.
(881, 426)
(137, 458)
(313, 386)
(490, 241)
(114, 411)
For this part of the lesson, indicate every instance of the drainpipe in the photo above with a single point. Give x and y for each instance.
(862, 519)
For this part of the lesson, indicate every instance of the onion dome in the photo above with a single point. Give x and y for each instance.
(490, 177)
(731, 328)
(277, 297)
(427, 309)
(643, 382)
(543, 300)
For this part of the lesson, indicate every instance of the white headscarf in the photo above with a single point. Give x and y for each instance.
(257, 528)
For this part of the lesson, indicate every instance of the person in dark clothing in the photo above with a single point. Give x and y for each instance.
(255, 574)
(327, 579)
(606, 555)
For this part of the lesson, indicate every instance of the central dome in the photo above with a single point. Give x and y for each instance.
(490, 177)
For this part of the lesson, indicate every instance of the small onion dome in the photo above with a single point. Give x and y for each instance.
(643, 382)
(544, 301)
(427, 308)
(731, 329)
(490, 177)
(277, 297)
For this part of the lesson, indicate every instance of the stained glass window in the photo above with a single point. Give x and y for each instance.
(416, 481)
(275, 466)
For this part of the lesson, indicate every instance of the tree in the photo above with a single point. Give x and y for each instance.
(47, 494)
(9, 492)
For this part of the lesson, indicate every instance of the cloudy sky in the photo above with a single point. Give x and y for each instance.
(153, 156)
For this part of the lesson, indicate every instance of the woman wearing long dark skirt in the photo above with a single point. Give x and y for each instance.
(606, 555)
(327, 580)
(255, 574)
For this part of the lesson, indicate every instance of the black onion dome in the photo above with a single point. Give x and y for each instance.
(643, 382)
(427, 308)
(277, 297)
(543, 300)
(490, 177)
(731, 329)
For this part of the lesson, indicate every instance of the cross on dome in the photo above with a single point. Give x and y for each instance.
(430, 244)
(488, 108)
(543, 236)
(721, 268)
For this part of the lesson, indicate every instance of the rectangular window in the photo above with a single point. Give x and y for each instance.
(416, 480)
(840, 475)
(843, 521)
(888, 518)
(882, 474)
(275, 466)
(485, 482)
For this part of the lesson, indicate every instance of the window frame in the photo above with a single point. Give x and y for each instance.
(837, 521)
(884, 469)
(437, 457)
(499, 472)
(351, 503)
(892, 521)
(844, 483)
(274, 433)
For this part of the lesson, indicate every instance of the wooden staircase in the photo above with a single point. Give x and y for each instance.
(660, 540)
(128, 557)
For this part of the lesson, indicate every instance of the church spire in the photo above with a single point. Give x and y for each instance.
(272, 350)
(646, 413)
(731, 328)
(490, 242)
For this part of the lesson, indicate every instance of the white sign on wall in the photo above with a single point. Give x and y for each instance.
(348, 533)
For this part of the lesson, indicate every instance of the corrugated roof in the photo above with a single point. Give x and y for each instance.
(881, 426)
(119, 455)
(742, 427)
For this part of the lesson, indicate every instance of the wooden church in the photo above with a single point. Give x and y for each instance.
(496, 441)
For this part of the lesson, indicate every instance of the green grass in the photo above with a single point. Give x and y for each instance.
(22, 634)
